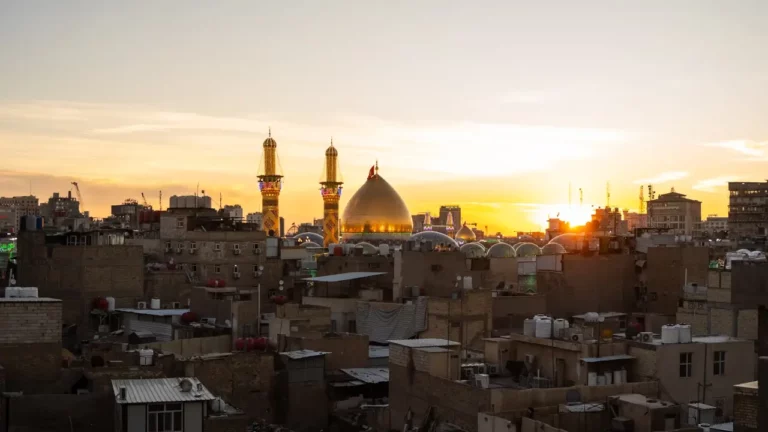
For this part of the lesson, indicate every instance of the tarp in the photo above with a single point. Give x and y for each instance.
(381, 325)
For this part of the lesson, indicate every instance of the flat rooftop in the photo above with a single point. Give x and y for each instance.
(424, 343)
(29, 300)
(638, 399)
(700, 339)
(154, 312)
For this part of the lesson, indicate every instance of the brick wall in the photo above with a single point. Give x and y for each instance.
(30, 322)
(244, 380)
(346, 350)
(666, 274)
(745, 410)
(62, 413)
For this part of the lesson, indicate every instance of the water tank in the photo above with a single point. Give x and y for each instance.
(384, 249)
(27, 292)
(174, 201)
(560, 325)
(601, 380)
(145, 357)
(540, 316)
(624, 375)
(217, 405)
(467, 282)
(617, 378)
(338, 250)
(544, 328)
(592, 379)
(685, 333)
(154, 303)
(11, 292)
(608, 378)
(591, 317)
(111, 304)
(191, 201)
(31, 223)
(670, 334)
(529, 327)
(205, 202)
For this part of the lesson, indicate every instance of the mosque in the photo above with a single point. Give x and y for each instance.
(375, 214)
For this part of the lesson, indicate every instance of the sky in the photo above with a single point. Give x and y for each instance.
(497, 106)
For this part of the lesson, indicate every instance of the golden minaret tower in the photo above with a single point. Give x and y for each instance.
(331, 191)
(270, 184)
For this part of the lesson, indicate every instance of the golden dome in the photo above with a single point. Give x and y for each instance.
(376, 211)
(465, 234)
(331, 151)
(270, 143)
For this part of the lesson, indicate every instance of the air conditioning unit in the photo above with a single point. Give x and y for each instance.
(236, 275)
(141, 305)
(646, 337)
(480, 369)
(577, 337)
(530, 358)
(467, 373)
(701, 305)
(208, 320)
(236, 251)
(176, 305)
(493, 369)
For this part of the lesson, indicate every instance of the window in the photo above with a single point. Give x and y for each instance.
(719, 363)
(167, 245)
(180, 222)
(193, 267)
(686, 364)
(217, 246)
(217, 268)
(193, 245)
(255, 268)
(164, 417)
(236, 246)
(352, 326)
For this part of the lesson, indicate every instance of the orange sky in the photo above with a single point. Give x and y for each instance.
(495, 108)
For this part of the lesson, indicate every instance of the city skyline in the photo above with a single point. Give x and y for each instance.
(478, 107)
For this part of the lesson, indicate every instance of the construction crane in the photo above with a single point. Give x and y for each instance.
(642, 201)
(79, 195)
(144, 200)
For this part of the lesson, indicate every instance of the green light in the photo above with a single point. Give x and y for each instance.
(7, 248)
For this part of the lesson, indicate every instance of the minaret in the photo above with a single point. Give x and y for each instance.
(270, 184)
(331, 192)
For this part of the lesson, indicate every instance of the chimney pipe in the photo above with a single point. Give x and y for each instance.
(123, 392)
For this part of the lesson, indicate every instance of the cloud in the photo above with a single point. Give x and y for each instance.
(713, 184)
(532, 97)
(663, 177)
(753, 149)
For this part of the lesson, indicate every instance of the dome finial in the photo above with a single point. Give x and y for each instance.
(331, 141)
(377, 167)
(270, 131)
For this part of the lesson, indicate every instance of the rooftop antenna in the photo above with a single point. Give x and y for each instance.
(581, 197)
(608, 194)
(161, 200)
(220, 206)
(642, 201)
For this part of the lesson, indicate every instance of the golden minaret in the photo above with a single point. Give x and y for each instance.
(270, 184)
(331, 191)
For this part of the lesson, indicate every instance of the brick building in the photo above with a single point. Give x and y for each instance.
(675, 212)
(666, 271)
(22, 206)
(746, 406)
(30, 342)
(748, 210)
(79, 267)
(302, 402)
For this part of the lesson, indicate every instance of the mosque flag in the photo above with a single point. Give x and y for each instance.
(371, 172)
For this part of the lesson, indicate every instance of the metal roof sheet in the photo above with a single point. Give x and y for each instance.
(369, 375)
(154, 312)
(144, 391)
(378, 352)
(341, 277)
(29, 300)
(302, 354)
(607, 358)
(424, 343)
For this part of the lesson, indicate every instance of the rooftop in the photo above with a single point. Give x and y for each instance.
(603, 314)
(154, 312)
(144, 391)
(638, 399)
(342, 277)
(378, 352)
(302, 354)
(750, 388)
(700, 339)
(423, 343)
(29, 300)
(369, 375)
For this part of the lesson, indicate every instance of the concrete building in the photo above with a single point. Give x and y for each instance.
(79, 267)
(60, 207)
(635, 220)
(239, 307)
(467, 319)
(9, 221)
(233, 212)
(664, 272)
(255, 219)
(748, 210)
(168, 404)
(158, 322)
(128, 213)
(30, 342)
(675, 212)
(23, 205)
(345, 350)
(294, 320)
(703, 371)
(715, 225)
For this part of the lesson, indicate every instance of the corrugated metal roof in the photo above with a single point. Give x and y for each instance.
(29, 300)
(378, 352)
(144, 391)
(302, 354)
(424, 343)
(607, 358)
(369, 375)
(341, 277)
(154, 312)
